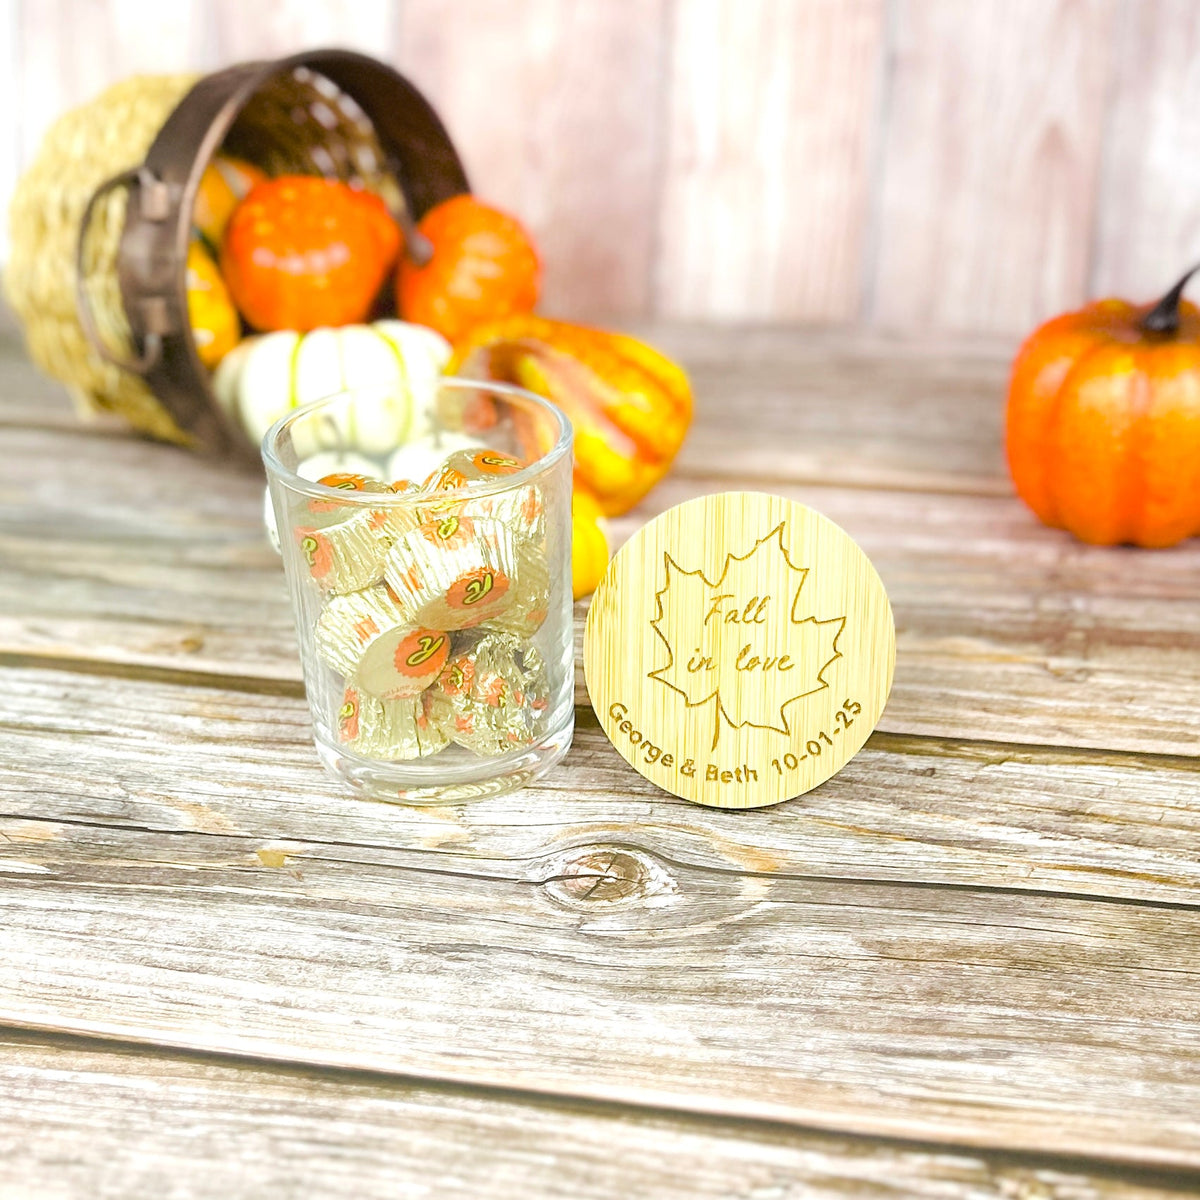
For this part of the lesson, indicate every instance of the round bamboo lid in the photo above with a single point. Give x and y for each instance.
(739, 650)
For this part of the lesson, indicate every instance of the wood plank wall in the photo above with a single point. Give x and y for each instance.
(904, 164)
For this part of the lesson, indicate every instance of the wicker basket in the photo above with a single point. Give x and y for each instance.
(102, 219)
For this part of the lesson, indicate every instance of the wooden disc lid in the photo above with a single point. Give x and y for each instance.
(739, 650)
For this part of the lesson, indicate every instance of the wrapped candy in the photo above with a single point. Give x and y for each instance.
(493, 696)
(349, 481)
(436, 538)
(371, 641)
(345, 544)
(348, 555)
(531, 597)
(388, 729)
(454, 572)
(327, 511)
(522, 510)
(322, 468)
(464, 467)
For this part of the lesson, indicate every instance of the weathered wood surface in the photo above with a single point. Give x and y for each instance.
(1006, 630)
(991, 1017)
(82, 1118)
(979, 937)
(160, 756)
(844, 409)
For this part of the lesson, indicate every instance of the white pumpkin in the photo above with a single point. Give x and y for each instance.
(395, 366)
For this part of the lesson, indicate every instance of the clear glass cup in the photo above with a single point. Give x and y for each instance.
(434, 620)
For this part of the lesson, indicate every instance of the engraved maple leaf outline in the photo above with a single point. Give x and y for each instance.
(669, 563)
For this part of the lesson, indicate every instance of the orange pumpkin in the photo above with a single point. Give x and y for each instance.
(1104, 421)
(300, 252)
(483, 266)
(630, 406)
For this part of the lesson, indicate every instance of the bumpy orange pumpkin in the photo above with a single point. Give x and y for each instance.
(630, 406)
(483, 267)
(300, 252)
(1104, 421)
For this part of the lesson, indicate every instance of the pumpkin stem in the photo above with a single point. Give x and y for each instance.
(1164, 316)
(418, 249)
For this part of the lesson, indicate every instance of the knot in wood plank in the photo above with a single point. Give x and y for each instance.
(589, 875)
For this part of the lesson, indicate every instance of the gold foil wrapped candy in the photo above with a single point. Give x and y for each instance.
(388, 729)
(531, 599)
(522, 510)
(430, 607)
(349, 555)
(491, 697)
(370, 639)
(464, 467)
(454, 572)
(323, 511)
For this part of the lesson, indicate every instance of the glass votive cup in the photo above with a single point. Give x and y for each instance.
(433, 611)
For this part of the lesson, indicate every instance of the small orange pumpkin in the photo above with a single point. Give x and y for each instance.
(1104, 421)
(300, 252)
(483, 266)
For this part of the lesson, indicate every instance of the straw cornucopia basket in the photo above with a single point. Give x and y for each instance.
(102, 219)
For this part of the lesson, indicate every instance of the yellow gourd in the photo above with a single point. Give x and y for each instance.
(629, 404)
(589, 542)
(224, 182)
(216, 326)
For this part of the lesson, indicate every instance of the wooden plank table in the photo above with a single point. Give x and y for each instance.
(966, 966)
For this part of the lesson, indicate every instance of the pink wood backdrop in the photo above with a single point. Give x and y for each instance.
(906, 164)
